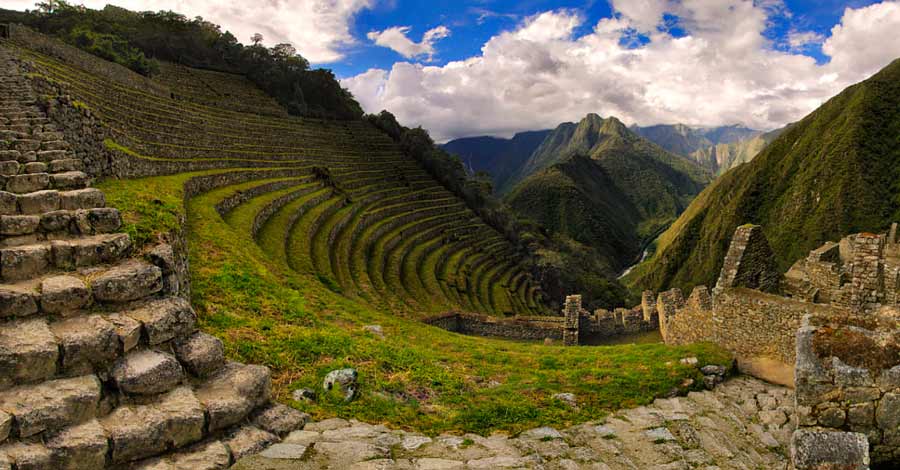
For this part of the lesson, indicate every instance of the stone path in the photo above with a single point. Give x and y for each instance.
(742, 425)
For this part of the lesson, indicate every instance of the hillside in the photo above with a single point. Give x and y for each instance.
(501, 158)
(307, 246)
(832, 173)
(578, 199)
(618, 194)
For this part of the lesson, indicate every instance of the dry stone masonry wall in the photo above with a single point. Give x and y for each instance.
(829, 327)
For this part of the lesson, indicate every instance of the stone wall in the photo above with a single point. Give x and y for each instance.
(694, 321)
(526, 328)
(848, 378)
(749, 262)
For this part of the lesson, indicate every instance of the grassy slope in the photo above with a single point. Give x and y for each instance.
(835, 172)
(418, 376)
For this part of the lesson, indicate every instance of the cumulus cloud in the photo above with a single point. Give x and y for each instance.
(319, 29)
(396, 39)
(724, 70)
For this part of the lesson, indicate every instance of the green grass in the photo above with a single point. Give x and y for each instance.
(417, 377)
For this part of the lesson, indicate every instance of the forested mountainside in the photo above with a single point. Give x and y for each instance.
(500, 158)
(832, 173)
(603, 185)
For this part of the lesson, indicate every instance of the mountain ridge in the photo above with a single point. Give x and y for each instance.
(829, 174)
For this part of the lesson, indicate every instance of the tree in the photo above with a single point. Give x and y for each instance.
(256, 39)
(284, 50)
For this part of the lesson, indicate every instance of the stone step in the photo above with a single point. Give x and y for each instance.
(30, 261)
(147, 372)
(21, 184)
(29, 229)
(233, 392)
(207, 455)
(77, 342)
(12, 166)
(69, 180)
(39, 202)
(129, 281)
(141, 431)
(51, 405)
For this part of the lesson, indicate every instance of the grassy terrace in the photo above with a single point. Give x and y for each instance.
(323, 228)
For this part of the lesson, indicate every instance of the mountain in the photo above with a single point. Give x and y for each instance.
(718, 149)
(684, 140)
(499, 157)
(722, 157)
(603, 185)
(834, 172)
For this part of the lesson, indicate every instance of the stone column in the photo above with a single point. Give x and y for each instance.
(867, 278)
(648, 305)
(572, 312)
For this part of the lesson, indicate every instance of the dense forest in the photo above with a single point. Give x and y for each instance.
(138, 39)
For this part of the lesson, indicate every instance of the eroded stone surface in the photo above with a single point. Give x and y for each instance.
(716, 429)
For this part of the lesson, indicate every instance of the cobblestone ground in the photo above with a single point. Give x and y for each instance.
(743, 424)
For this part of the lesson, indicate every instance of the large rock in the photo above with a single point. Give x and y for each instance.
(233, 392)
(24, 262)
(147, 372)
(17, 302)
(248, 440)
(80, 447)
(826, 450)
(63, 294)
(165, 319)
(200, 353)
(53, 404)
(88, 344)
(131, 281)
(343, 379)
(39, 202)
(280, 419)
(142, 431)
(28, 352)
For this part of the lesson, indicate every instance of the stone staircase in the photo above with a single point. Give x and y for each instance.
(101, 363)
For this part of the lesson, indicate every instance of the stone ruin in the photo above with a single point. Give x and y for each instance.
(581, 324)
(830, 327)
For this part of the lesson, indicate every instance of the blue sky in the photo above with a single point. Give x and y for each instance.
(474, 22)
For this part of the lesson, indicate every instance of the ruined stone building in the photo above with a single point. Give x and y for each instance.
(830, 327)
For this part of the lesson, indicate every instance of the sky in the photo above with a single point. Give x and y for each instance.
(495, 67)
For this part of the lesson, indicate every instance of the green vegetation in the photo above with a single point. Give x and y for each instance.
(132, 39)
(416, 377)
(603, 186)
(832, 173)
(287, 203)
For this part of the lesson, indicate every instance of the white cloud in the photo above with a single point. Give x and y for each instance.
(723, 71)
(319, 29)
(797, 40)
(395, 39)
(865, 39)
